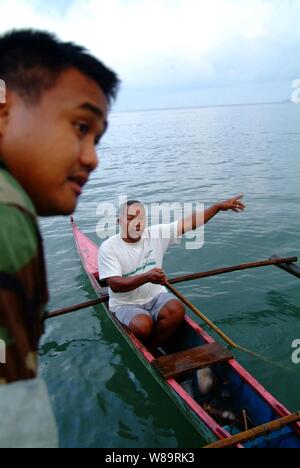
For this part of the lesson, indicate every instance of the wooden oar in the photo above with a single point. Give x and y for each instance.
(231, 343)
(194, 309)
(181, 279)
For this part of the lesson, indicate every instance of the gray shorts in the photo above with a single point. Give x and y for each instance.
(126, 313)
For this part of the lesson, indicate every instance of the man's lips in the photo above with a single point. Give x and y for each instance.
(77, 182)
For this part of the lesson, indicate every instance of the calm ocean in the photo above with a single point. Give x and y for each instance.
(102, 395)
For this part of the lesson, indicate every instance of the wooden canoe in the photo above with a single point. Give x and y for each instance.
(268, 423)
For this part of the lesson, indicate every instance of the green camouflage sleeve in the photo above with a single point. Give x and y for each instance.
(23, 294)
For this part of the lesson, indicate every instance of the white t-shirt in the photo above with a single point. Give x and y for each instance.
(119, 258)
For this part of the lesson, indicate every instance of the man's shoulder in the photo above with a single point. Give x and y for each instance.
(18, 238)
(13, 194)
(111, 243)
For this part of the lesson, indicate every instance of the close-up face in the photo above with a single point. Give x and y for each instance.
(50, 146)
(133, 222)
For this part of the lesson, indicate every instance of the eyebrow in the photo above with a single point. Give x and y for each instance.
(95, 110)
(139, 213)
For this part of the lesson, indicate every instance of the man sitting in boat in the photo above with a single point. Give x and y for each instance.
(131, 263)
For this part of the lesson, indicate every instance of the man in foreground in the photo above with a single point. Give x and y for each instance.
(131, 262)
(55, 112)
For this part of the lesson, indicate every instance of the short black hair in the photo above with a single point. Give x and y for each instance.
(31, 62)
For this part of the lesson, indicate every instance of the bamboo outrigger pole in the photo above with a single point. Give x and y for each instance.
(284, 263)
(287, 266)
(75, 308)
(277, 261)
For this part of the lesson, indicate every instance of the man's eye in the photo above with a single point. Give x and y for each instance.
(82, 127)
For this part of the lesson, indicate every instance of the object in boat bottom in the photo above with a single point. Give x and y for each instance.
(225, 395)
(205, 381)
(222, 416)
(215, 396)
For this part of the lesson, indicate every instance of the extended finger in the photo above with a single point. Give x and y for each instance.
(238, 197)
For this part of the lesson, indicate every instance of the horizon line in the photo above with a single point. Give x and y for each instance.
(208, 106)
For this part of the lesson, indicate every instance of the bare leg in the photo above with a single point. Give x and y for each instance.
(142, 326)
(169, 320)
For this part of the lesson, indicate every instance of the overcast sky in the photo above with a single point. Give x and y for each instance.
(177, 53)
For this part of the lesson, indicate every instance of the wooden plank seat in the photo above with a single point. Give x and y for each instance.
(178, 364)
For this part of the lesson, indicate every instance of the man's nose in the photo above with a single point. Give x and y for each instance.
(89, 157)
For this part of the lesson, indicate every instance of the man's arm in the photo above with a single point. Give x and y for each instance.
(120, 284)
(197, 219)
(22, 294)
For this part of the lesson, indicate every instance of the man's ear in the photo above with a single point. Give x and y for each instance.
(3, 117)
(6, 102)
(2, 92)
(5, 105)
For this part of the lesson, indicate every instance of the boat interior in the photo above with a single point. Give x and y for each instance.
(215, 385)
(204, 372)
